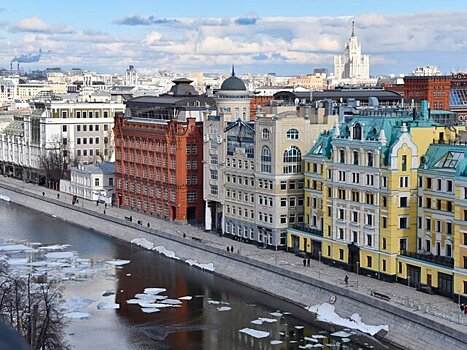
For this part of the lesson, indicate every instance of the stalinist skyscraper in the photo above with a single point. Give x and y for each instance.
(353, 65)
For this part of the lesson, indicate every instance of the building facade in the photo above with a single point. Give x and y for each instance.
(362, 197)
(159, 144)
(434, 89)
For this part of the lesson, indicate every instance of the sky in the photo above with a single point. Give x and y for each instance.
(258, 36)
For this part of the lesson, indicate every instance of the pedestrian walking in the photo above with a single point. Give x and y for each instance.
(304, 262)
(465, 310)
(228, 248)
(104, 211)
(346, 280)
(308, 262)
(462, 308)
(105, 205)
(231, 249)
(43, 194)
(58, 195)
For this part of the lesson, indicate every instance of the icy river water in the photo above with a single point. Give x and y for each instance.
(209, 315)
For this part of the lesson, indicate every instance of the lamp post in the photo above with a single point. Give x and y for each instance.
(319, 267)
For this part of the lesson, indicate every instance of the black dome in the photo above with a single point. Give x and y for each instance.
(233, 83)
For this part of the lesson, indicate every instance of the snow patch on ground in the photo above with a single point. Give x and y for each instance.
(209, 266)
(143, 243)
(59, 255)
(76, 315)
(326, 312)
(254, 333)
(168, 253)
(5, 198)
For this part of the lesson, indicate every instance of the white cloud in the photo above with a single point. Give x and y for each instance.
(36, 25)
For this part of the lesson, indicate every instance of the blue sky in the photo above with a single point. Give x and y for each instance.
(287, 37)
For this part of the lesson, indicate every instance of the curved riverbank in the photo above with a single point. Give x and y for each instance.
(407, 329)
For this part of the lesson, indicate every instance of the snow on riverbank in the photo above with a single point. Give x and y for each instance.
(5, 198)
(326, 313)
(144, 243)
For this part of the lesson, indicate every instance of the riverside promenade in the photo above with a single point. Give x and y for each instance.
(432, 307)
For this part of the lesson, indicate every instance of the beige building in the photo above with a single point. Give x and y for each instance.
(253, 176)
(310, 81)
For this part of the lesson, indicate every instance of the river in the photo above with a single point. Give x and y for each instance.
(211, 320)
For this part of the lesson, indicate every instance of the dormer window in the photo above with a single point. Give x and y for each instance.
(357, 132)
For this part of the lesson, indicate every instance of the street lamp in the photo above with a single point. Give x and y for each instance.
(319, 267)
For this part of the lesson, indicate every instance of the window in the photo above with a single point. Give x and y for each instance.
(404, 163)
(191, 196)
(403, 202)
(341, 254)
(341, 214)
(64, 128)
(428, 224)
(111, 181)
(370, 159)
(292, 160)
(292, 134)
(342, 156)
(438, 181)
(355, 216)
(90, 127)
(354, 236)
(384, 222)
(341, 233)
(428, 183)
(449, 228)
(449, 185)
(368, 261)
(283, 219)
(292, 201)
(78, 141)
(404, 181)
(265, 159)
(283, 201)
(357, 132)
(96, 182)
(384, 243)
(265, 134)
(64, 141)
(403, 223)
(64, 114)
(78, 114)
(355, 157)
(106, 127)
(283, 185)
(369, 219)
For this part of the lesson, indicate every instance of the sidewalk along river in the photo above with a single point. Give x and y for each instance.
(119, 296)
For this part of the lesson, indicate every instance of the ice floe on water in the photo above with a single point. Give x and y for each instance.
(214, 302)
(150, 310)
(77, 315)
(168, 253)
(326, 313)
(107, 306)
(118, 262)
(262, 320)
(224, 308)
(254, 332)
(108, 293)
(77, 302)
(276, 314)
(341, 334)
(276, 342)
(187, 297)
(55, 247)
(59, 255)
(154, 290)
(16, 248)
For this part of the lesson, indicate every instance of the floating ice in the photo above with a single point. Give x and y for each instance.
(168, 253)
(299, 327)
(154, 290)
(257, 322)
(171, 301)
(108, 293)
(341, 334)
(345, 340)
(318, 336)
(143, 243)
(276, 342)
(276, 314)
(16, 248)
(117, 262)
(76, 302)
(254, 333)
(149, 310)
(215, 302)
(55, 247)
(76, 315)
(313, 340)
(326, 312)
(107, 306)
(224, 308)
(188, 297)
(59, 255)
(17, 261)
(261, 320)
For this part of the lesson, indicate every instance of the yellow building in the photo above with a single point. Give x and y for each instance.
(361, 194)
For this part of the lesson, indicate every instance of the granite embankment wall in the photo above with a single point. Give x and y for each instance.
(407, 329)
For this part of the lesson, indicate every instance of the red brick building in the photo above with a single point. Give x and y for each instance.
(158, 156)
(258, 100)
(434, 89)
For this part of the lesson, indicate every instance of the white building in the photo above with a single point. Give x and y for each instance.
(131, 76)
(93, 182)
(423, 71)
(352, 65)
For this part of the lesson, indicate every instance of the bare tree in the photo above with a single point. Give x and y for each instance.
(55, 162)
(109, 147)
(33, 310)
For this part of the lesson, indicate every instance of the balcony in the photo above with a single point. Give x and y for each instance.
(434, 259)
(309, 230)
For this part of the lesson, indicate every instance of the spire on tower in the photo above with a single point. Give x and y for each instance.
(233, 70)
(353, 28)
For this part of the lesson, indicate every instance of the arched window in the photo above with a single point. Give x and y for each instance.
(265, 134)
(292, 134)
(292, 160)
(357, 132)
(265, 160)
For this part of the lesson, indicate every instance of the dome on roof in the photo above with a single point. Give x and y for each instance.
(233, 83)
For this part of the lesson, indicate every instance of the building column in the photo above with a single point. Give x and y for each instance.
(207, 218)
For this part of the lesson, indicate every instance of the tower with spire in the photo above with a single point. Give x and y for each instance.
(352, 65)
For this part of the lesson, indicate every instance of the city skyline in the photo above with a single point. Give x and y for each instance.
(210, 37)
